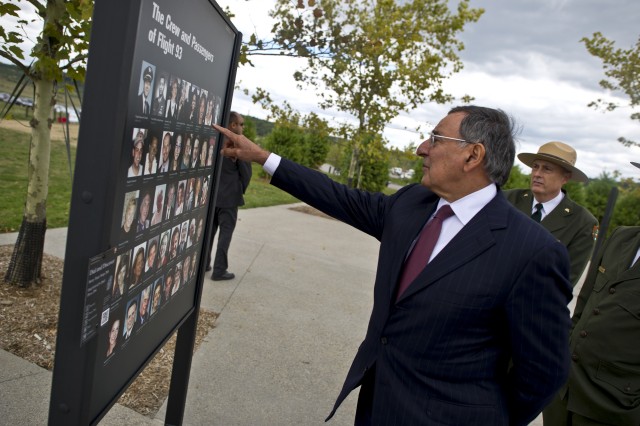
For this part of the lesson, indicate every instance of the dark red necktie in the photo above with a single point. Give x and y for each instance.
(419, 256)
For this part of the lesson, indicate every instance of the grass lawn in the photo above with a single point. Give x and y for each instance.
(14, 156)
(261, 193)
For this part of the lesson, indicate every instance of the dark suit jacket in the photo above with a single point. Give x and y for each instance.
(140, 105)
(570, 223)
(234, 180)
(604, 383)
(441, 353)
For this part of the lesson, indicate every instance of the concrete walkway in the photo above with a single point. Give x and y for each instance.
(289, 326)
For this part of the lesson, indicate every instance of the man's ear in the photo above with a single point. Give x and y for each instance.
(475, 156)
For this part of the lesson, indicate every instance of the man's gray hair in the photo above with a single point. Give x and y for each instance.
(494, 129)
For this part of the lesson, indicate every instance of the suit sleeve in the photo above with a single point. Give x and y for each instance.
(580, 249)
(539, 323)
(244, 168)
(362, 210)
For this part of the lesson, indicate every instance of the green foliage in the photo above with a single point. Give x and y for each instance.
(261, 193)
(622, 69)
(627, 210)
(249, 129)
(597, 194)
(287, 140)
(61, 46)
(316, 139)
(517, 179)
(303, 139)
(374, 166)
(336, 155)
(577, 192)
(14, 152)
(263, 127)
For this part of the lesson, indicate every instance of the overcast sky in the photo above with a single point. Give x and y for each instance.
(522, 56)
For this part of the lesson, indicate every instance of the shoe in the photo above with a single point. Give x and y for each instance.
(208, 268)
(223, 277)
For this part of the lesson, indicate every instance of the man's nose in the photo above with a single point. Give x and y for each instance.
(423, 148)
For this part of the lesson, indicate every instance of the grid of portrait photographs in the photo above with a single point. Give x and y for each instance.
(166, 187)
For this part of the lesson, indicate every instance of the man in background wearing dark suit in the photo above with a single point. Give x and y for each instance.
(604, 383)
(234, 180)
(573, 225)
(474, 332)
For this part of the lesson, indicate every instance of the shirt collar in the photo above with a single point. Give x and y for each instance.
(468, 206)
(548, 206)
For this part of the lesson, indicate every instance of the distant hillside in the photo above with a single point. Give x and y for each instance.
(263, 127)
(9, 76)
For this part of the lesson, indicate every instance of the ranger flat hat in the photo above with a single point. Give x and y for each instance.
(148, 73)
(558, 153)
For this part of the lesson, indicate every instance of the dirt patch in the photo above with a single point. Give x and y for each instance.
(29, 322)
(310, 210)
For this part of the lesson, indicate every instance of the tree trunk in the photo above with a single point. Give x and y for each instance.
(26, 261)
(353, 165)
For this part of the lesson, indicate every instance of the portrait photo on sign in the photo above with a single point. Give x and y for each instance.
(180, 197)
(165, 153)
(142, 105)
(122, 275)
(112, 337)
(137, 265)
(163, 249)
(143, 309)
(158, 204)
(156, 300)
(129, 213)
(130, 317)
(173, 99)
(151, 151)
(175, 243)
(137, 151)
(169, 203)
(144, 209)
(176, 158)
(160, 95)
(184, 104)
(168, 284)
(152, 256)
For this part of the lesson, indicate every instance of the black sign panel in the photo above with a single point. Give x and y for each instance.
(159, 74)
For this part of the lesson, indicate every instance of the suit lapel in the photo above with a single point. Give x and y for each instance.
(473, 239)
(560, 217)
(414, 224)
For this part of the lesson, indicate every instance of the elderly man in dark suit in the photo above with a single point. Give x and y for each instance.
(604, 383)
(546, 202)
(473, 331)
(234, 180)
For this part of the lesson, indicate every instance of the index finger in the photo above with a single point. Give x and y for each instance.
(223, 130)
